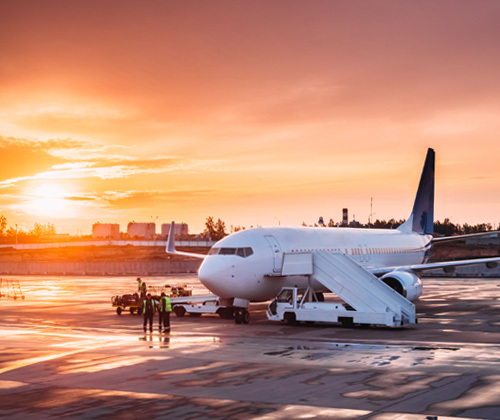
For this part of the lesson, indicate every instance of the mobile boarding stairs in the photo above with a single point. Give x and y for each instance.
(368, 300)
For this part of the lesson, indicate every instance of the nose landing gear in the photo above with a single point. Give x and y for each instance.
(241, 316)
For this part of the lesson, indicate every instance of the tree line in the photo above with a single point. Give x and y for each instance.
(10, 233)
(445, 228)
(216, 230)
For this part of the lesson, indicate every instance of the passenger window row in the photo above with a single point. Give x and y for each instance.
(361, 251)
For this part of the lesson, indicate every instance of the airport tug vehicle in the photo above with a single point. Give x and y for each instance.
(367, 300)
(293, 306)
(199, 305)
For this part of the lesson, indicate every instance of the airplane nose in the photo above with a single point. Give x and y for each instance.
(212, 275)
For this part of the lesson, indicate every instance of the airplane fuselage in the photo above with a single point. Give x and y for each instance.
(247, 264)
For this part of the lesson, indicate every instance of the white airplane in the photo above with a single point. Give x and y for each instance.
(245, 266)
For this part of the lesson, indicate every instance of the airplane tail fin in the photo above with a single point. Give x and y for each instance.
(421, 219)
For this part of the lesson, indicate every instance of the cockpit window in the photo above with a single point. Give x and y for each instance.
(240, 252)
(244, 252)
(248, 252)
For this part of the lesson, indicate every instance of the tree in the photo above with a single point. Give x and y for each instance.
(42, 230)
(234, 229)
(210, 227)
(215, 230)
(220, 229)
(3, 225)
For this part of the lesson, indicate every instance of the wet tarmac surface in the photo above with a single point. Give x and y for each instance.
(64, 352)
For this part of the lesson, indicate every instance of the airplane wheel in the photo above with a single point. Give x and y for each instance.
(245, 316)
(237, 316)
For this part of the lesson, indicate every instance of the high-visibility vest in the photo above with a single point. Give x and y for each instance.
(139, 286)
(168, 305)
(144, 306)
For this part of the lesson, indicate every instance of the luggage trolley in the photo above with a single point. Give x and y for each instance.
(130, 301)
(11, 289)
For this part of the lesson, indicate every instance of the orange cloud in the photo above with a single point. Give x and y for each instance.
(283, 108)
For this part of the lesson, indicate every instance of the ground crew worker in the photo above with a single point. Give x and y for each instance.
(141, 288)
(165, 309)
(148, 311)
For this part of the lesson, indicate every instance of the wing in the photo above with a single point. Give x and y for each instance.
(490, 263)
(171, 246)
(492, 234)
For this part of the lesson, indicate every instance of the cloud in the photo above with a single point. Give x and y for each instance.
(68, 159)
(353, 60)
(80, 198)
(25, 157)
(251, 97)
(148, 198)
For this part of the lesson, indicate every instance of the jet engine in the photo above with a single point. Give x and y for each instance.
(405, 283)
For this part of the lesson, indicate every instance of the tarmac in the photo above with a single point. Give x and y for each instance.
(65, 353)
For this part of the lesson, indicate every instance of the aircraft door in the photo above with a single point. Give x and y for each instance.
(366, 253)
(277, 253)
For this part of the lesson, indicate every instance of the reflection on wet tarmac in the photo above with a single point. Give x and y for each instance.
(66, 353)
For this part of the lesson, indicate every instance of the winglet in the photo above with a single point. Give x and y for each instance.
(171, 245)
(421, 219)
(171, 239)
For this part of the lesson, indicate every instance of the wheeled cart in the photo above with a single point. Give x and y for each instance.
(124, 302)
(10, 289)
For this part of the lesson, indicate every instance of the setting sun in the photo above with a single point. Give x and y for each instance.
(49, 199)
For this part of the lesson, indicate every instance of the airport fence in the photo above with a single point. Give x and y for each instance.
(100, 268)
(201, 244)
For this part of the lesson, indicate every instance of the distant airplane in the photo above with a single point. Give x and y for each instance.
(253, 265)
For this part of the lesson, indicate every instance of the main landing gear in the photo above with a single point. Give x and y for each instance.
(241, 316)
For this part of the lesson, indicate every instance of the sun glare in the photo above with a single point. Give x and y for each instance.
(49, 199)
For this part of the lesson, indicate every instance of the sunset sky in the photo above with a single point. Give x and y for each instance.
(256, 112)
